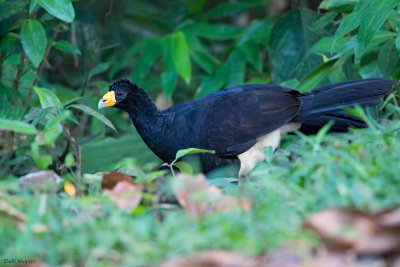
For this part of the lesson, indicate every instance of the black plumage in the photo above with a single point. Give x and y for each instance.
(231, 120)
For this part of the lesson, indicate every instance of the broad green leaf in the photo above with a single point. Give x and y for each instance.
(67, 47)
(32, 6)
(188, 151)
(317, 75)
(170, 76)
(93, 113)
(103, 154)
(100, 68)
(212, 84)
(17, 126)
(325, 45)
(347, 24)
(252, 54)
(34, 41)
(184, 167)
(180, 55)
(61, 9)
(127, 57)
(200, 55)
(9, 9)
(236, 68)
(216, 31)
(227, 9)
(388, 59)
(203, 60)
(42, 115)
(370, 70)
(325, 20)
(168, 82)
(258, 31)
(41, 161)
(70, 101)
(47, 98)
(291, 38)
(377, 12)
(338, 5)
(398, 42)
(150, 53)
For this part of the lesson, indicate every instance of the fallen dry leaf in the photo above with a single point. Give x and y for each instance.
(197, 197)
(356, 231)
(70, 189)
(126, 195)
(213, 258)
(111, 179)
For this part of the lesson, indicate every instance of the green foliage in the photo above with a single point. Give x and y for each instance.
(58, 57)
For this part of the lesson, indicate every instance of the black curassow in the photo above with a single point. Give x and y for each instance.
(239, 122)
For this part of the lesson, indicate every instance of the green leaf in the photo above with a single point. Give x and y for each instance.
(100, 68)
(70, 160)
(47, 98)
(291, 37)
(61, 9)
(169, 77)
(42, 115)
(188, 151)
(93, 113)
(34, 41)
(32, 6)
(184, 167)
(317, 75)
(180, 56)
(326, 45)
(212, 84)
(150, 53)
(67, 47)
(224, 10)
(338, 5)
(17, 126)
(236, 68)
(377, 12)
(216, 31)
(42, 162)
(252, 54)
(9, 9)
(168, 82)
(203, 60)
(347, 24)
(258, 31)
(388, 59)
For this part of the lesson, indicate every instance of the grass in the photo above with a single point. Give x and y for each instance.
(308, 174)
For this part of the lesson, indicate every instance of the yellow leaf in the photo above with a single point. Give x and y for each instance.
(70, 189)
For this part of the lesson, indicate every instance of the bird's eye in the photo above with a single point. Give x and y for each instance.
(119, 93)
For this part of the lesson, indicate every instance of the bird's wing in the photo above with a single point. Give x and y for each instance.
(230, 121)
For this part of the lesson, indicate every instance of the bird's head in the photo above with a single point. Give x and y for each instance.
(119, 95)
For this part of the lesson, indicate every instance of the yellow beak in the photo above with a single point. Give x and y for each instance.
(108, 100)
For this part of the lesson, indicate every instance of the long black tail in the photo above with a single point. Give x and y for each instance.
(324, 104)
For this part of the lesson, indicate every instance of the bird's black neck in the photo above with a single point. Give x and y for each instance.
(142, 107)
(149, 121)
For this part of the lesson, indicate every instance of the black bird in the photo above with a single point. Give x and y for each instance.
(239, 122)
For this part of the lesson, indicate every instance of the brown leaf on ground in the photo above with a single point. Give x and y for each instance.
(111, 179)
(213, 258)
(126, 195)
(197, 197)
(352, 230)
